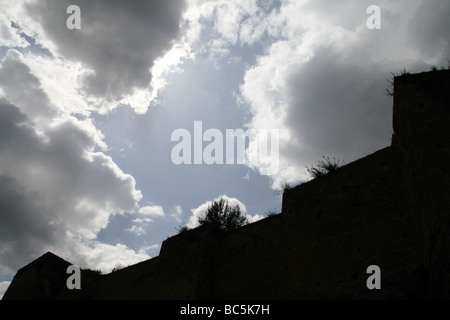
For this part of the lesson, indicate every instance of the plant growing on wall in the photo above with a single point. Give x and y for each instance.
(182, 228)
(271, 213)
(324, 166)
(223, 217)
(390, 88)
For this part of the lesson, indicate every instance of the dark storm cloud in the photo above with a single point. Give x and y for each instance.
(24, 229)
(52, 189)
(118, 40)
(337, 102)
(54, 184)
(23, 223)
(429, 28)
(324, 85)
(31, 98)
(338, 107)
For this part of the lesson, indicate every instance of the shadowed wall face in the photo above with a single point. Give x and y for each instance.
(346, 221)
(422, 146)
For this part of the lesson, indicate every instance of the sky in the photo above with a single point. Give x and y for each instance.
(88, 112)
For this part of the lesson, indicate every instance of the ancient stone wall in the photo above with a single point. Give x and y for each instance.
(389, 209)
(421, 123)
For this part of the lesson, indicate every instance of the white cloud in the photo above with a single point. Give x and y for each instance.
(138, 230)
(254, 218)
(10, 37)
(104, 256)
(60, 79)
(3, 287)
(146, 215)
(152, 248)
(11, 12)
(142, 220)
(215, 26)
(152, 211)
(177, 211)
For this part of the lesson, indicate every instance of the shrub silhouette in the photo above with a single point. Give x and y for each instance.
(182, 228)
(271, 213)
(324, 166)
(223, 217)
(390, 88)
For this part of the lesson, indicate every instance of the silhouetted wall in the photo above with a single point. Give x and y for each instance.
(421, 143)
(389, 209)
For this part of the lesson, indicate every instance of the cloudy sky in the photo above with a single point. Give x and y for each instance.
(87, 115)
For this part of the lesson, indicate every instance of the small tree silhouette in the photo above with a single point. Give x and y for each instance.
(223, 217)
